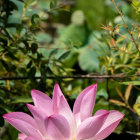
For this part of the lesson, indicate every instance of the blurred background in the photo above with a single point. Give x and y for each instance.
(46, 42)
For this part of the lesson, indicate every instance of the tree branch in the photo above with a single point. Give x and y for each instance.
(89, 76)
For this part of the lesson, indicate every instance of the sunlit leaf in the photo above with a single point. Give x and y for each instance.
(21, 99)
(119, 92)
(128, 91)
(136, 107)
(53, 52)
(117, 102)
(133, 82)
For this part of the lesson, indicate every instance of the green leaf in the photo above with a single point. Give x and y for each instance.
(102, 92)
(74, 33)
(61, 68)
(5, 64)
(132, 72)
(29, 3)
(6, 108)
(39, 56)
(2, 37)
(34, 47)
(19, 28)
(26, 44)
(34, 19)
(21, 1)
(4, 41)
(53, 52)
(22, 70)
(32, 72)
(13, 5)
(6, 32)
(64, 55)
(75, 44)
(11, 25)
(135, 2)
(29, 64)
(128, 82)
(9, 54)
(33, 2)
(49, 71)
(51, 5)
(88, 60)
(21, 99)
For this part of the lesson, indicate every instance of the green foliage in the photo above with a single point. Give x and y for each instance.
(20, 56)
(136, 6)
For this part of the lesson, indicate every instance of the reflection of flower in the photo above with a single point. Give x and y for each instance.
(54, 120)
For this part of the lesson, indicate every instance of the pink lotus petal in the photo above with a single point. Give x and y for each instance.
(42, 101)
(65, 110)
(39, 116)
(21, 136)
(33, 138)
(21, 116)
(87, 104)
(84, 103)
(57, 127)
(109, 125)
(100, 112)
(90, 126)
(24, 127)
(57, 93)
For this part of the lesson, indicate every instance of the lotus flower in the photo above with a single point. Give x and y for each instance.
(53, 119)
